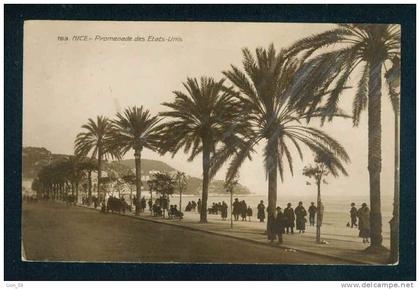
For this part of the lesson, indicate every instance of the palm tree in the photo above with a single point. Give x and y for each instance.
(263, 91)
(95, 140)
(130, 180)
(89, 165)
(181, 184)
(74, 173)
(208, 114)
(393, 76)
(135, 129)
(367, 47)
(325, 164)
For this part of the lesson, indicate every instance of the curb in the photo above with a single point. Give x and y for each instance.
(354, 262)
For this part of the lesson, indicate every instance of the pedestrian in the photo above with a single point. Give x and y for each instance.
(249, 213)
(261, 211)
(364, 222)
(136, 204)
(143, 204)
(224, 210)
(312, 212)
(243, 210)
(271, 225)
(236, 209)
(289, 215)
(300, 213)
(353, 215)
(150, 203)
(219, 208)
(279, 225)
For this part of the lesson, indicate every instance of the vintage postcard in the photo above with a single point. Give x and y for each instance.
(211, 142)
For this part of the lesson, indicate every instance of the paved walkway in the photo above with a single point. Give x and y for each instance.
(55, 232)
(342, 243)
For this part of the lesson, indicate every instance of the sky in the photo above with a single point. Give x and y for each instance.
(67, 82)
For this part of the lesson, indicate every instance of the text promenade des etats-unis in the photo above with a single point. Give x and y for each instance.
(137, 38)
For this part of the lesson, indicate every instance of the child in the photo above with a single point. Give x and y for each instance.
(249, 213)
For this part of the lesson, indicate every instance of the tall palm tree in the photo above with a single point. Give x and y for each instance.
(393, 76)
(96, 141)
(135, 129)
(360, 46)
(263, 93)
(208, 114)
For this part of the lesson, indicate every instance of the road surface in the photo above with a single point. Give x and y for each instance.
(54, 232)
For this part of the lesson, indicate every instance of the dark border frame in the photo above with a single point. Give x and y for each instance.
(15, 269)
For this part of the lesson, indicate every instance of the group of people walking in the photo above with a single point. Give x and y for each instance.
(191, 206)
(291, 216)
(284, 221)
(241, 209)
(220, 207)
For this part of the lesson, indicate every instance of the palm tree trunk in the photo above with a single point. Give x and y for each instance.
(395, 222)
(374, 153)
(137, 156)
(77, 192)
(99, 174)
(180, 200)
(89, 184)
(272, 173)
(206, 181)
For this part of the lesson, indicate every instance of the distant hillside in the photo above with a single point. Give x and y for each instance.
(147, 165)
(34, 158)
(194, 186)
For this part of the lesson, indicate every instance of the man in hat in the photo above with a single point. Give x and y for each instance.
(289, 215)
(236, 209)
(312, 212)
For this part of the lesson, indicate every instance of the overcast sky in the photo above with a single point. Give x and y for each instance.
(67, 82)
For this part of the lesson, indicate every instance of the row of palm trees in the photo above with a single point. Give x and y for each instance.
(271, 99)
(65, 175)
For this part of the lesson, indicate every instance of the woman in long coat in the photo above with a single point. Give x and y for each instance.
(300, 217)
(271, 226)
(243, 210)
(261, 211)
(224, 210)
(364, 222)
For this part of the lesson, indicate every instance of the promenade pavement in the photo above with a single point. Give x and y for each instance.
(341, 243)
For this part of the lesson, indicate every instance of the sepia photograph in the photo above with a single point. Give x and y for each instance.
(210, 142)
